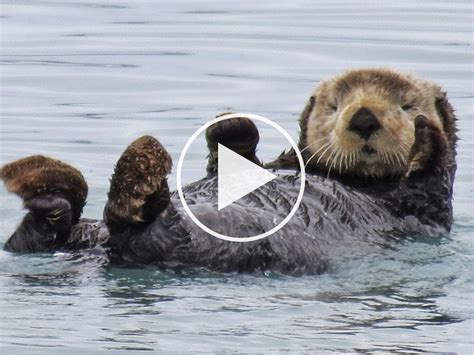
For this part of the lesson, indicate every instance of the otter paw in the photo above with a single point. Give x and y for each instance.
(53, 211)
(37, 177)
(45, 227)
(239, 134)
(429, 148)
(139, 188)
(53, 192)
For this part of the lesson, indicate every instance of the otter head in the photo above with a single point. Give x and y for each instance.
(362, 122)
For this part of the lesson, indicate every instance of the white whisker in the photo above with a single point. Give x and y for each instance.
(352, 158)
(396, 160)
(336, 158)
(343, 154)
(388, 156)
(312, 144)
(384, 155)
(323, 153)
(332, 160)
(309, 160)
(400, 158)
(312, 156)
(392, 158)
(330, 168)
(330, 157)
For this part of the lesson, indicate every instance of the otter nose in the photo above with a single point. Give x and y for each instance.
(364, 123)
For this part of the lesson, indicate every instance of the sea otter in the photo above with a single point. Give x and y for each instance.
(379, 148)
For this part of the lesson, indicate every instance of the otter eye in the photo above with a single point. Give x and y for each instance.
(333, 107)
(407, 107)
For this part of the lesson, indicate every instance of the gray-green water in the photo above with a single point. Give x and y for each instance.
(81, 79)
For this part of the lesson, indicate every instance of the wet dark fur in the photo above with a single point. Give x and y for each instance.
(38, 176)
(335, 212)
(53, 192)
(138, 188)
(238, 134)
(288, 159)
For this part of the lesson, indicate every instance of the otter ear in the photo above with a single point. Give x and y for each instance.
(446, 114)
(304, 117)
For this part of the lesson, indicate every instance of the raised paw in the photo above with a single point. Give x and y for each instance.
(139, 188)
(53, 192)
(53, 210)
(239, 134)
(430, 148)
(39, 176)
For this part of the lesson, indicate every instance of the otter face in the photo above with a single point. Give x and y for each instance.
(362, 122)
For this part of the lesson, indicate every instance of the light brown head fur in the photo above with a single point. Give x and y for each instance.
(333, 139)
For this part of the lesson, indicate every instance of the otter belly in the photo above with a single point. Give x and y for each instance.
(330, 216)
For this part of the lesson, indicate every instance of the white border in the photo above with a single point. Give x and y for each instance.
(226, 237)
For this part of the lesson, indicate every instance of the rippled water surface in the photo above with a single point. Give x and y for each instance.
(81, 79)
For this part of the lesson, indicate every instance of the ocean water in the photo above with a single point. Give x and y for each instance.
(80, 79)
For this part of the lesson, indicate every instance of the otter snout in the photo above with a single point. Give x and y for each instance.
(364, 123)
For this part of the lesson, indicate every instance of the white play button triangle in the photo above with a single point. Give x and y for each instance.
(237, 176)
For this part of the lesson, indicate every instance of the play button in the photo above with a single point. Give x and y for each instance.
(237, 177)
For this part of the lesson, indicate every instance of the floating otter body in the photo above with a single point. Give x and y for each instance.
(379, 148)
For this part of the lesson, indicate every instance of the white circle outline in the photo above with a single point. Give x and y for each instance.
(223, 236)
